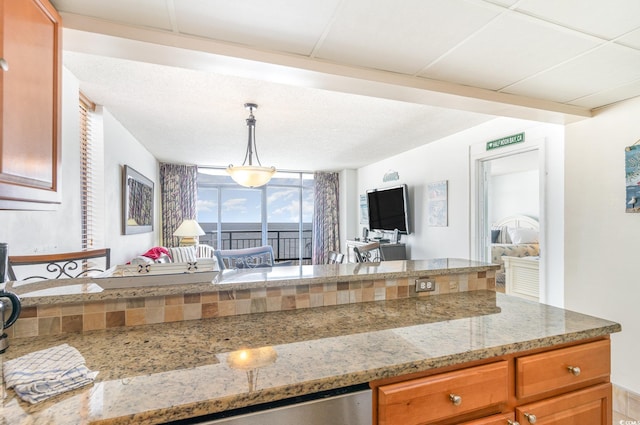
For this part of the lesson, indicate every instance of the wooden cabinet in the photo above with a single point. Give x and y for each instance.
(591, 406)
(30, 82)
(568, 385)
(568, 368)
(444, 395)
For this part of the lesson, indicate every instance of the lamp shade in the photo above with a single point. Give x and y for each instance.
(188, 228)
(250, 175)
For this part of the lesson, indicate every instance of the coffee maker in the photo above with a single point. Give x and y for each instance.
(6, 299)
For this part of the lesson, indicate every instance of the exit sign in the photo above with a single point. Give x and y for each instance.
(505, 141)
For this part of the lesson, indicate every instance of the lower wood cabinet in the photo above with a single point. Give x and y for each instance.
(591, 406)
(445, 395)
(568, 385)
(501, 419)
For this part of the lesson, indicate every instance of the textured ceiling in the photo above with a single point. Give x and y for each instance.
(343, 83)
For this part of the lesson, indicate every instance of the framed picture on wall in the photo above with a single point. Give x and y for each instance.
(437, 208)
(632, 173)
(364, 212)
(137, 202)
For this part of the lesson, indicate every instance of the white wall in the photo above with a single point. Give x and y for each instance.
(121, 149)
(514, 193)
(31, 232)
(40, 232)
(448, 159)
(601, 276)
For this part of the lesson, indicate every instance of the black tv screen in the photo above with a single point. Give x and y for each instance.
(388, 209)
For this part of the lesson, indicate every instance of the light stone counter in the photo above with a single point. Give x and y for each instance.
(158, 373)
(86, 289)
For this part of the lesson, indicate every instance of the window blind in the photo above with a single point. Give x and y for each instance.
(87, 176)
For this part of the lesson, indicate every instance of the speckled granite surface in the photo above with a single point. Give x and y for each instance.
(83, 290)
(157, 373)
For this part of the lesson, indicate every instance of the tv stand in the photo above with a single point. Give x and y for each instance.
(390, 251)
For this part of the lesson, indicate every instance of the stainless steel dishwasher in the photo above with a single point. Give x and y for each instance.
(350, 408)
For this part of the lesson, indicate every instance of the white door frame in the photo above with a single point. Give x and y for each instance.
(480, 239)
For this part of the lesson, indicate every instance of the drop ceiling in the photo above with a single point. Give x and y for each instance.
(343, 83)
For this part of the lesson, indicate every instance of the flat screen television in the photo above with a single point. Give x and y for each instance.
(388, 209)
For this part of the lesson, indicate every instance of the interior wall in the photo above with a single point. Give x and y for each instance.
(514, 193)
(601, 239)
(42, 232)
(38, 232)
(349, 212)
(121, 149)
(448, 159)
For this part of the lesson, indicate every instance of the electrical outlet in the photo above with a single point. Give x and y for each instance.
(425, 285)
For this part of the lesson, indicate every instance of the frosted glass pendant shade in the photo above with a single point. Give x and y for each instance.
(250, 175)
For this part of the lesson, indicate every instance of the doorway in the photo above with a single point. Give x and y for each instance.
(509, 184)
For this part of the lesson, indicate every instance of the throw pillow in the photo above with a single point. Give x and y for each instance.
(183, 254)
(503, 234)
(522, 235)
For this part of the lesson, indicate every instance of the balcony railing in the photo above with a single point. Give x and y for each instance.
(285, 243)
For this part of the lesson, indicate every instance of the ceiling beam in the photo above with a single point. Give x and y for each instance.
(93, 36)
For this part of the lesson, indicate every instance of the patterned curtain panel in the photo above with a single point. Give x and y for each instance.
(326, 231)
(178, 188)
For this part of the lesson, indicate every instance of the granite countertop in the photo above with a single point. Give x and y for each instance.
(94, 289)
(158, 373)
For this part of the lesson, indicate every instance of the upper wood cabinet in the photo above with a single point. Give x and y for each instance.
(30, 86)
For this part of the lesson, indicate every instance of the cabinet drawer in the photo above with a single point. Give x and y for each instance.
(501, 419)
(433, 398)
(591, 406)
(566, 367)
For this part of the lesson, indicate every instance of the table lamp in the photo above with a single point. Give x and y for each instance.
(188, 232)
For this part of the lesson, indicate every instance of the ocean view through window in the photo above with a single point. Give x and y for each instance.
(278, 214)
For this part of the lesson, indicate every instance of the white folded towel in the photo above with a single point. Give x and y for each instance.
(42, 374)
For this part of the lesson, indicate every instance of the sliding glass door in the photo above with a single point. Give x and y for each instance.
(278, 214)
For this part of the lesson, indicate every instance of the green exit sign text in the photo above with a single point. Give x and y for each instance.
(505, 141)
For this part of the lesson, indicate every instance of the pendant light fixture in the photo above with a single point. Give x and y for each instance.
(250, 175)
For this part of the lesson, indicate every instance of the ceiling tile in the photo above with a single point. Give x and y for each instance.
(148, 13)
(603, 69)
(401, 36)
(283, 25)
(511, 48)
(631, 40)
(608, 97)
(602, 18)
(505, 3)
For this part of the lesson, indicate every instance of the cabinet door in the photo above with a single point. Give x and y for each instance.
(30, 105)
(568, 368)
(591, 406)
(444, 396)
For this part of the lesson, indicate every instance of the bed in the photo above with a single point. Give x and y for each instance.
(513, 236)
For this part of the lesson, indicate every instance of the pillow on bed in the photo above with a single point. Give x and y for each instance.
(502, 235)
(523, 235)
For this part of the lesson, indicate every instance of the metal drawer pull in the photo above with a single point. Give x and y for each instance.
(575, 370)
(510, 422)
(531, 418)
(455, 399)
(4, 65)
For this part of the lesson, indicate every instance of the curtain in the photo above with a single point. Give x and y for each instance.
(326, 232)
(179, 195)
